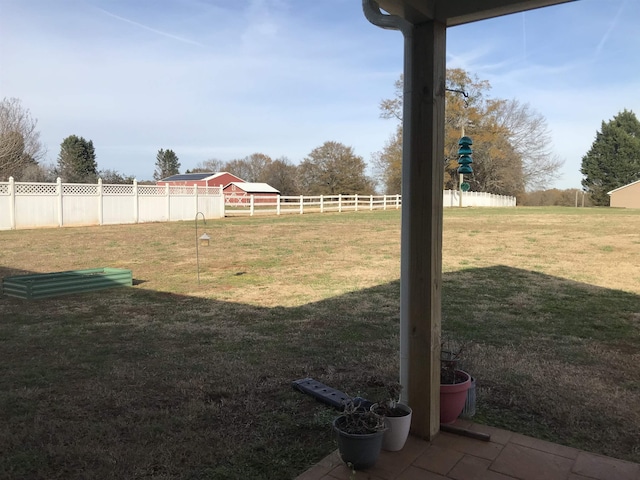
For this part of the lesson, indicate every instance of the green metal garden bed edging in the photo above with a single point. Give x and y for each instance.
(41, 285)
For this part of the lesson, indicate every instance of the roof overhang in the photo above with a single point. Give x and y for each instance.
(457, 12)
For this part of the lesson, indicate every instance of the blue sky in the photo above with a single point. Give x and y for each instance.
(228, 78)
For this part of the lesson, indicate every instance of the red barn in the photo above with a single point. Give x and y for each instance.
(239, 193)
(205, 179)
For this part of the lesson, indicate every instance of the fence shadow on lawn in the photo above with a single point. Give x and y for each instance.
(134, 383)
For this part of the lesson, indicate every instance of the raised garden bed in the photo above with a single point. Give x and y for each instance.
(41, 285)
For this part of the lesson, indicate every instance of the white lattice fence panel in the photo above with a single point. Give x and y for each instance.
(117, 189)
(79, 189)
(209, 190)
(180, 190)
(36, 189)
(151, 190)
(4, 189)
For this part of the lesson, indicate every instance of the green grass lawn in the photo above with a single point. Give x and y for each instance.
(172, 379)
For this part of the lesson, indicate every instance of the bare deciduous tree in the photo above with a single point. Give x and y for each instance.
(251, 168)
(20, 145)
(282, 175)
(530, 138)
(512, 143)
(212, 165)
(334, 168)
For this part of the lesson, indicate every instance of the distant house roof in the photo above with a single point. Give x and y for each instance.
(250, 187)
(181, 177)
(624, 186)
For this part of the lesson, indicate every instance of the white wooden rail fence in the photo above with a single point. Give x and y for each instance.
(34, 205)
(280, 205)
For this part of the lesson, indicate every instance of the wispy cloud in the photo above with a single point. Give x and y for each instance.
(524, 36)
(150, 29)
(612, 26)
(283, 76)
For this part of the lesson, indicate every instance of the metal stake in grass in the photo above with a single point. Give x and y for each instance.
(205, 239)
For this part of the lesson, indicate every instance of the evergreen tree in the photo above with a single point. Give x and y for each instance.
(77, 160)
(614, 157)
(167, 164)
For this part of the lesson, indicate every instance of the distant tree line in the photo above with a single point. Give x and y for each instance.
(511, 153)
(571, 197)
(330, 169)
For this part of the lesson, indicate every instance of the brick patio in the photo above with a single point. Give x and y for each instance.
(508, 456)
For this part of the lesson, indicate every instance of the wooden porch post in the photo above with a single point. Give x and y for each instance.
(421, 257)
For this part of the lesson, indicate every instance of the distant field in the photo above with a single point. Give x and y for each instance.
(174, 379)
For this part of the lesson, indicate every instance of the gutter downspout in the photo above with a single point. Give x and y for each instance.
(372, 13)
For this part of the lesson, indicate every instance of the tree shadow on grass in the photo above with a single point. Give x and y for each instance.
(134, 383)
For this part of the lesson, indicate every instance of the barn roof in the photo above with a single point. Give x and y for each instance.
(181, 177)
(188, 176)
(252, 187)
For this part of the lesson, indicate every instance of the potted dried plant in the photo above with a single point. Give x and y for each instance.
(454, 382)
(397, 416)
(359, 432)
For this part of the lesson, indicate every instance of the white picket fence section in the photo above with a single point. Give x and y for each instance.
(281, 205)
(477, 199)
(35, 205)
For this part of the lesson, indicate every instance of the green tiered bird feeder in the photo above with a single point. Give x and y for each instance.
(465, 162)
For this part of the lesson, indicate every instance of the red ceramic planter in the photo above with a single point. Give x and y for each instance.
(453, 397)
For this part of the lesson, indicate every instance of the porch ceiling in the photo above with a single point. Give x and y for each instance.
(457, 12)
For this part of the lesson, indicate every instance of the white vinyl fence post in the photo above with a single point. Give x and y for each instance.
(397, 201)
(59, 192)
(384, 201)
(301, 204)
(195, 196)
(322, 203)
(251, 205)
(100, 203)
(340, 203)
(167, 194)
(278, 205)
(371, 202)
(12, 203)
(136, 213)
(356, 202)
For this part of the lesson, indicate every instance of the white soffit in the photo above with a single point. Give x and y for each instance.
(457, 12)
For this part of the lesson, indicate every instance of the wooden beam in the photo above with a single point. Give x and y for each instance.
(421, 255)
